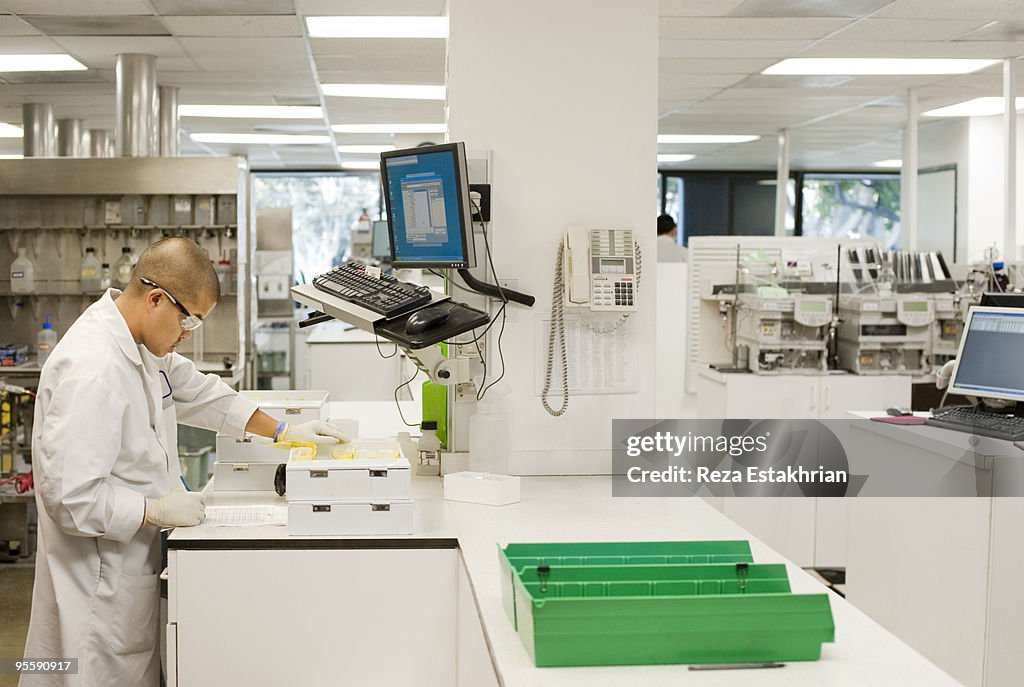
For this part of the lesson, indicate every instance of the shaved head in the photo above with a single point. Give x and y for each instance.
(179, 265)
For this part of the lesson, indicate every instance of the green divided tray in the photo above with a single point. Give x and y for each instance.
(580, 615)
(514, 557)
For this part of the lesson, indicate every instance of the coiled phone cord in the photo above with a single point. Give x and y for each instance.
(557, 326)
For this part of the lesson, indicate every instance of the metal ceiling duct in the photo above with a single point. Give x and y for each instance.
(135, 132)
(101, 143)
(69, 138)
(168, 121)
(38, 137)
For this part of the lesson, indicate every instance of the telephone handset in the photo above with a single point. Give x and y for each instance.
(601, 268)
(598, 269)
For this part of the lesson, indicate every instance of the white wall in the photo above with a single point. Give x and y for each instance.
(940, 143)
(565, 96)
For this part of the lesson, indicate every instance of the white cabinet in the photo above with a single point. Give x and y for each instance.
(743, 395)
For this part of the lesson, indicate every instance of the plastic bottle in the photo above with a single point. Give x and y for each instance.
(105, 279)
(488, 434)
(1000, 279)
(89, 272)
(124, 266)
(363, 223)
(429, 449)
(886, 281)
(22, 274)
(45, 341)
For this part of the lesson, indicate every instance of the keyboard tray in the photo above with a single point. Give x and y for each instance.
(461, 319)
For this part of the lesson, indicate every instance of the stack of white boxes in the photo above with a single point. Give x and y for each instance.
(368, 494)
(249, 464)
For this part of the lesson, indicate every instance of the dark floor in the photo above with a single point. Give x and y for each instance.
(15, 602)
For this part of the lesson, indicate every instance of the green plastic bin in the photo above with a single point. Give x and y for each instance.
(516, 557)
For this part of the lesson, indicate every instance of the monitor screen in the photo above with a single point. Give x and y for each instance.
(426, 191)
(381, 241)
(988, 363)
(1003, 300)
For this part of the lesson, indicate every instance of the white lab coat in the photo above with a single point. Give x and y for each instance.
(104, 439)
(669, 250)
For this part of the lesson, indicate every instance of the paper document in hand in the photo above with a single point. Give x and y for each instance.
(245, 516)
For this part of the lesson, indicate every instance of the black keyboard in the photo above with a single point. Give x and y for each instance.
(980, 422)
(386, 295)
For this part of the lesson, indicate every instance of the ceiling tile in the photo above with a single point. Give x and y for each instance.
(100, 51)
(15, 26)
(672, 48)
(706, 66)
(996, 31)
(28, 44)
(253, 79)
(78, 7)
(807, 8)
(954, 9)
(100, 25)
(983, 50)
(266, 25)
(907, 29)
(426, 47)
(696, 8)
(707, 28)
(279, 54)
(382, 63)
(190, 8)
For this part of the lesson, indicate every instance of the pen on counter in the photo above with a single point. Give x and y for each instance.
(187, 488)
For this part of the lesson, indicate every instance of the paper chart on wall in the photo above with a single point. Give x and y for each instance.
(599, 361)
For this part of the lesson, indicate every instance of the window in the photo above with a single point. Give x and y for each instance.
(325, 207)
(853, 206)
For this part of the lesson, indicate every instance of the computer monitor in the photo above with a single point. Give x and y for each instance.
(426, 192)
(1002, 300)
(988, 363)
(381, 241)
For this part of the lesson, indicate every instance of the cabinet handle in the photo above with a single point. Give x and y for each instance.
(828, 396)
(812, 391)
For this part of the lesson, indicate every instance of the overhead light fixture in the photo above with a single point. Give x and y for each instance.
(389, 128)
(675, 158)
(889, 164)
(383, 90)
(707, 138)
(346, 148)
(361, 165)
(57, 62)
(12, 157)
(10, 131)
(978, 107)
(251, 111)
(269, 139)
(874, 66)
(377, 27)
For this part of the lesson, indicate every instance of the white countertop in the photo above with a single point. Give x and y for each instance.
(583, 509)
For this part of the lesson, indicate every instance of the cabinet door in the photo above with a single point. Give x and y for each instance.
(843, 393)
(762, 396)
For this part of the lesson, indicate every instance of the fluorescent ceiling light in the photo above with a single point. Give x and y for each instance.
(383, 90)
(377, 27)
(60, 62)
(389, 128)
(271, 139)
(874, 66)
(979, 107)
(251, 111)
(361, 165)
(10, 131)
(346, 148)
(12, 157)
(889, 164)
(706, 138)
(675, 158)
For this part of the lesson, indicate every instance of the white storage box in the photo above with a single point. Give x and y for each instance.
(367, 479)
(482, 487)
(291, 405)
(243, 476)
(252, 449)
(349, 517)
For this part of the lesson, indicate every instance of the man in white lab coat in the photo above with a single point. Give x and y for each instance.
(668, 249)
(104, 455)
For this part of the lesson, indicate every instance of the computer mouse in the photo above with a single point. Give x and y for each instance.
(899, 412)
(427, 318)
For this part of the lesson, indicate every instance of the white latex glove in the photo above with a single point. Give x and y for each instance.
(312, 432)
(177, 509)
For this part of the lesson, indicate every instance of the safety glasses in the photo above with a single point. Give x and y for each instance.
(191, 322)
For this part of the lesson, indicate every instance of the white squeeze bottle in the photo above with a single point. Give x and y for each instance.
(46, 339)
(488, 433)
(22, 274)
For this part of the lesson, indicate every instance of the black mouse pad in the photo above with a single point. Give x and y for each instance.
(461, 318)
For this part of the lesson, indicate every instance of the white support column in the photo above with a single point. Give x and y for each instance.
(1010, 159)
(571, 123)
(782, 184)
(908, 175)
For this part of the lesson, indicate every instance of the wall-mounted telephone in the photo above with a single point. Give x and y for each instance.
(597, 269)
(601, 269)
